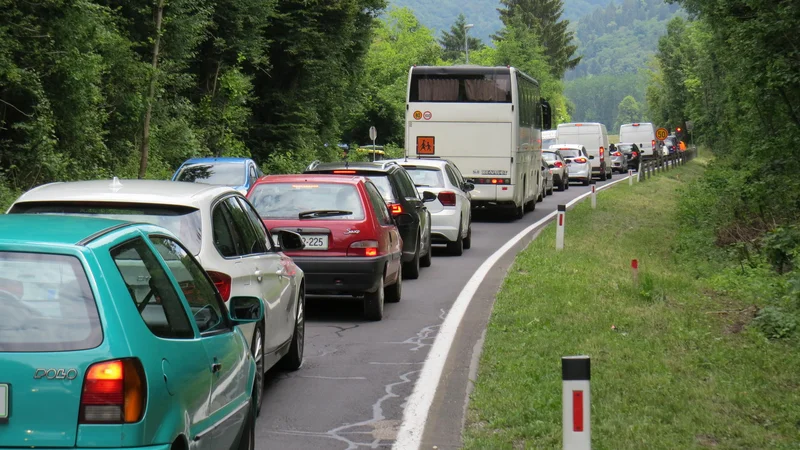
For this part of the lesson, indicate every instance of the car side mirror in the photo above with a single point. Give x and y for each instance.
(289, 240)
(591, 156)
(428, 196)
(242, 310)
(468, 187)
(403, 220)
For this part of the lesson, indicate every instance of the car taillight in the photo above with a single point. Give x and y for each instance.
(447, 198)
(223, 284)
(363, 248)
(634, 155)
(580, 160)
(558, 164)
(602, 153)
(113, 392)
(395, 208)
(617, 154)
(344, 172)
(653, 143)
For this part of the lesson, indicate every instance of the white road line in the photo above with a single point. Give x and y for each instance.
(419, 402)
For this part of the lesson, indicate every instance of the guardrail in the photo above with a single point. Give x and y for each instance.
(663, 163)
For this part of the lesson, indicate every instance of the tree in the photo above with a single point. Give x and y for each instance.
(543, 17)
(628, 112)
(452, 42)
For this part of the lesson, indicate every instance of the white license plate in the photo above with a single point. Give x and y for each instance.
(3, 402)
(316, 242)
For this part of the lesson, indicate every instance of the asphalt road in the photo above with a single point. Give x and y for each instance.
(350, 391)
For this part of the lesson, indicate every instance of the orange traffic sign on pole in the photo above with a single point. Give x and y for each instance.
(661, 134)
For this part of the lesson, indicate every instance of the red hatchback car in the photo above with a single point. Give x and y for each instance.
(352, 246)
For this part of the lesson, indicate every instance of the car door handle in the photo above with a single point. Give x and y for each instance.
(257, 273)
(216, 367)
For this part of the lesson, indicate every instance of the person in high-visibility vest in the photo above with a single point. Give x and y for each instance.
(682, 146)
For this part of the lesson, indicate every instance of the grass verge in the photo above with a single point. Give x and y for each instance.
(680, 370)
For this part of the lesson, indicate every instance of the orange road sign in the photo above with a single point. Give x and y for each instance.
(426, 145)
(661, 134)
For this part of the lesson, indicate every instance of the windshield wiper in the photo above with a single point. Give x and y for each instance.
(323, 213)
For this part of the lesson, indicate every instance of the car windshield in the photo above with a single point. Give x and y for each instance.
(183, 221)
(549, 157)
(426, 176)
(46, 304)
(222, 174)
(289, 200)
(570, 153)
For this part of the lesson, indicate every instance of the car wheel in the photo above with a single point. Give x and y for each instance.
(586, 181)
(552, 188)
(411, 268)
(468, 239)
(257, 349)
(373, 303)
(566, 184)
(247, 440)
(394, 293)
(294, 359)
(562, 186)
(603, 175)
(611, 175)
(425, 261)
(456, 248)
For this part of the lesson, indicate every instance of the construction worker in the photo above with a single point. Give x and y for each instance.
(682, 146)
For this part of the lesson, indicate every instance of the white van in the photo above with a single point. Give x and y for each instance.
(594, 137)
(549, 137)
(641, 134)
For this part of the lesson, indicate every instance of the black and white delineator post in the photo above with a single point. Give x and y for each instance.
(562, 211)
(630, 177)
(575, 376)
(594, 196)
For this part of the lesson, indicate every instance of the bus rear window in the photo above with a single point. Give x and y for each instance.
(452, 88)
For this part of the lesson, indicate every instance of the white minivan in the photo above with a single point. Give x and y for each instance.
(594, 137)
(641, 134)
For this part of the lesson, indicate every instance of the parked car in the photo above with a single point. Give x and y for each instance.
(577, 162)
(352, 246)
(547, 181)
(451, 212)
(400, 195)
(222, 230)
(594, 138)
(632, 152)
(558, 167)
(619, 160)
(114, 336)
(238, 173)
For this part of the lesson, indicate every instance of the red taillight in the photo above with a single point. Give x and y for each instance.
(363, 248)
(113, 392)
(634, 155)
(395, 208)
(344, 172)
(602, 153)
(580, 160)
(447, 198)
(223, 284)
(653, 143)
(558, 164)
(617, 154)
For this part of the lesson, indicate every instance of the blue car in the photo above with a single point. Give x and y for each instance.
(238, 173)
(112, 335)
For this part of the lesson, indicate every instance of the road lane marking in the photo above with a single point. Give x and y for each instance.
(418, 404)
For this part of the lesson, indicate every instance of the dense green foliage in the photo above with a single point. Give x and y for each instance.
(454, 42)
(734, 73)
(596, 98)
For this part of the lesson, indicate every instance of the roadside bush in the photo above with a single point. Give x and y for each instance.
(775, 322)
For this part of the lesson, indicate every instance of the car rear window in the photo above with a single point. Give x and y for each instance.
(625, 148)
(183, 221)
(46, 304)
(223, 174)
(549, 157)
(289, 200)
(426, 176)
(569, 153)
(384, 186)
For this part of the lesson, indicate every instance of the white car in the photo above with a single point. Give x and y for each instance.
(223, 231)
(578, 160)
(451, 212)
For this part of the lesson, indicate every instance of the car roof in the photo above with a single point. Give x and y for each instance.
(158, 192)
(624, 143)
(377, 166)
(216, 160)
(311, 178)
(423, 162)
(566, 146)
(53, 229)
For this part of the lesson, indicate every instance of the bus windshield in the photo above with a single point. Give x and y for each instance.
(461, 88)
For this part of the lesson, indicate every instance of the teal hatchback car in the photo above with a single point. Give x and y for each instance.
(112, 335)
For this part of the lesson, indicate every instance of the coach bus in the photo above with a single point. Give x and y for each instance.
(486, 120)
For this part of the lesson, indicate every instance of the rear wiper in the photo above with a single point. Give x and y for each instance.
(323, 213)
(423, 185)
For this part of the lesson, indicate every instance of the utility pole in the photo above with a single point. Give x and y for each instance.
(466, 39)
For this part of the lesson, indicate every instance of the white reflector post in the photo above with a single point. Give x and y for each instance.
(630, 177)
(575, 398)
(562, 211)
(594, 196)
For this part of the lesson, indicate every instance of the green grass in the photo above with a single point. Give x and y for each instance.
(681, 370)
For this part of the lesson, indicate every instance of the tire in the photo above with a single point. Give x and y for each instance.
(566, 184)
(552, 188)
(563, 185)
(587, 181)
(468, 239)
(373, 303)
(425, 261)
(247, 440)
(411, 268)
(611, 175)
(603, 175)
(540, 197)
(294, 359)
(456, 248)
(257, 350)
(393, 293)
(519, 211)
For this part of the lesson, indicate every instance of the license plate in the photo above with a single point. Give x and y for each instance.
(316, 242)
(3, 402)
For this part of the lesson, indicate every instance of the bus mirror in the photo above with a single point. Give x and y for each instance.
(547, 115)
